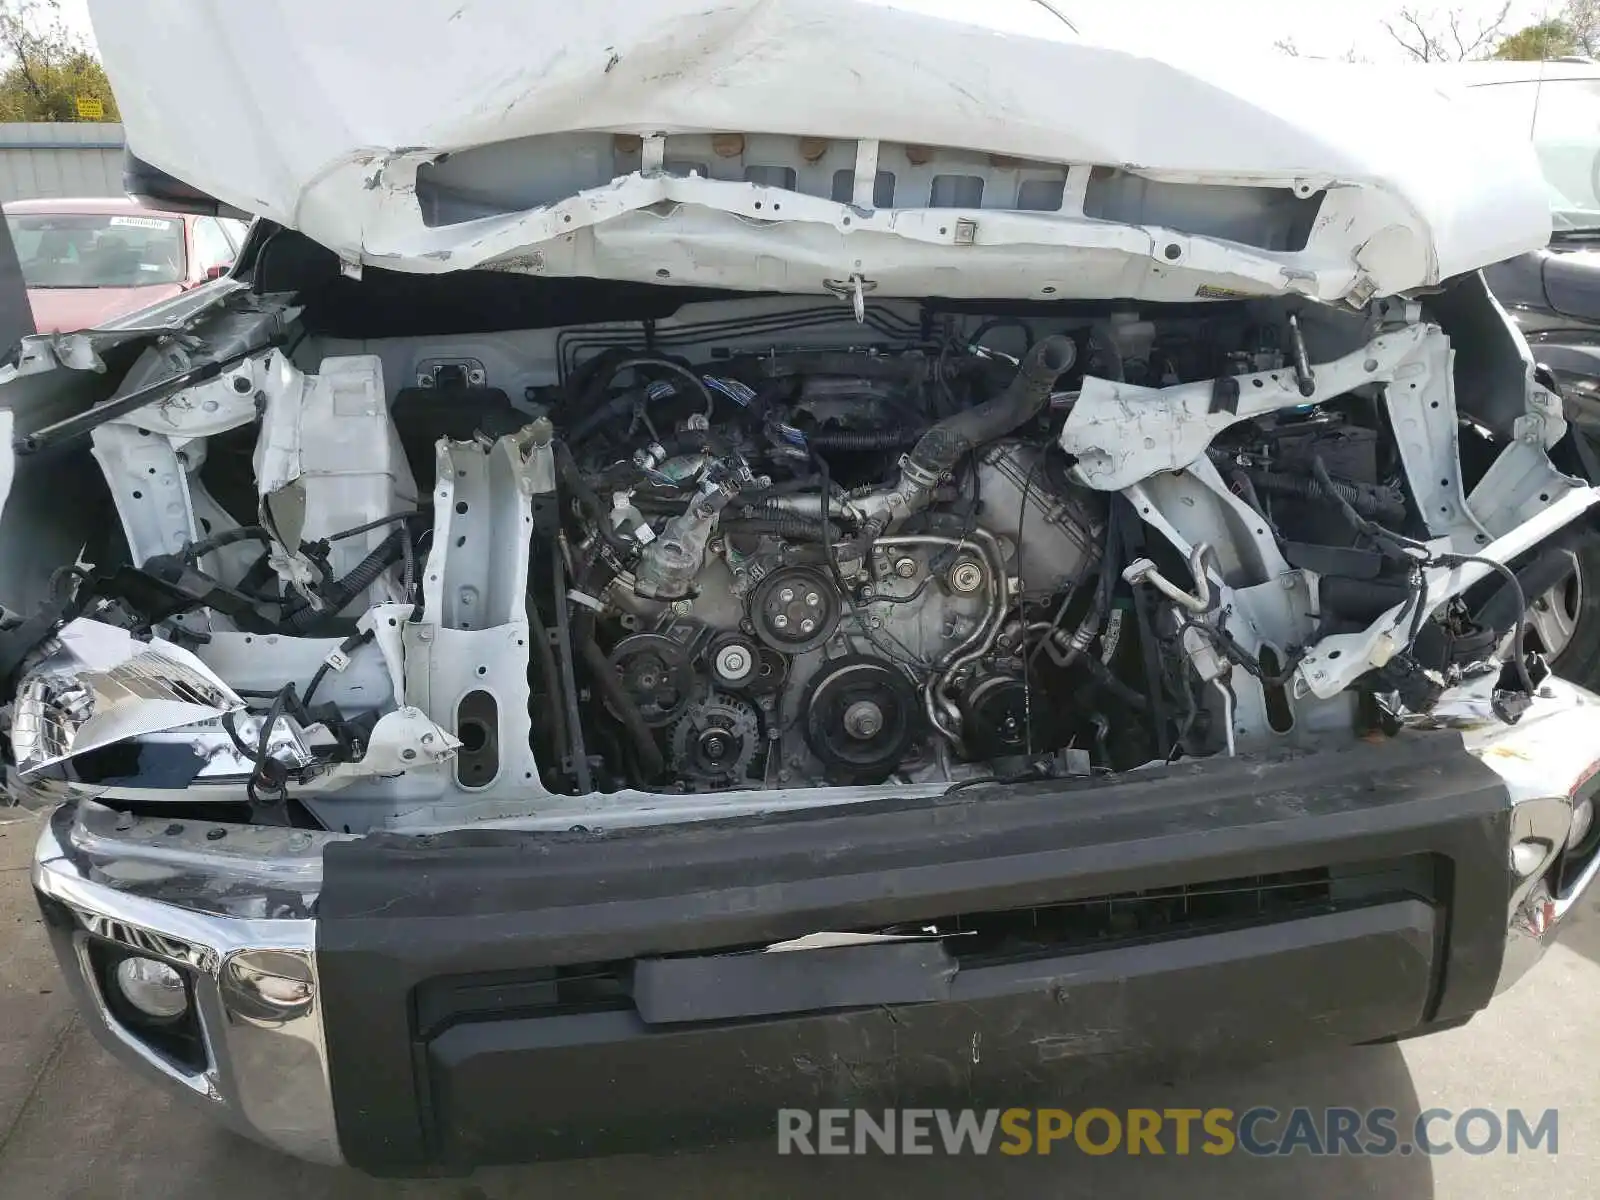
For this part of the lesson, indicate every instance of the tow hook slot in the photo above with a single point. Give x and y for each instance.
(478, 727)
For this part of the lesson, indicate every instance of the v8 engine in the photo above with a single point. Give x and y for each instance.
(773, 611)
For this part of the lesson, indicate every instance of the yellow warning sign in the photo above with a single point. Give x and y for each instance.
(91, 108)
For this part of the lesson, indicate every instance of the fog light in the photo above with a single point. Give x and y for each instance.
(1582, 818)
(152, 987)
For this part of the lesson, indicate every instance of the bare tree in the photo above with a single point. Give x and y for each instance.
(1582, 18)
(1429, 36)
(1287, 45)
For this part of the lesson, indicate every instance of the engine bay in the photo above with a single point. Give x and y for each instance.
(765, 551)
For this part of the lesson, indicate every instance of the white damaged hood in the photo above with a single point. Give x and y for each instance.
(909, 147)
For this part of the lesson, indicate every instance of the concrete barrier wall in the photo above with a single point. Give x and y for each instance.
(58, 160)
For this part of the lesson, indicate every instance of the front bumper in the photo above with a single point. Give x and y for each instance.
(105, 882)
(485, 996)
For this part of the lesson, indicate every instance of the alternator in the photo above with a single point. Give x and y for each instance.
(716, 740)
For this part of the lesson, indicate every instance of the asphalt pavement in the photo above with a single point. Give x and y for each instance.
(74, 1124)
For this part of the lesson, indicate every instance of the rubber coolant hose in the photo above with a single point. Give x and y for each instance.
(938, 450)
(228, 537)
(554, 712)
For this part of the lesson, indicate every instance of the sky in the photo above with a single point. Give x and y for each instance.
(1329, 28)
(75, 16)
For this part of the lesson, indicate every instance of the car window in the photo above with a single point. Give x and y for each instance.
(235, 229)
(1562, 116)
(211, 245)
(85, 250)
(1566, 137)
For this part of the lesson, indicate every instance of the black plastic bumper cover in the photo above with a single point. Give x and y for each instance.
(509, 1083)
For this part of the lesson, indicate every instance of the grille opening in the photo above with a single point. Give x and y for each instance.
(1090, 924)
(976, 939)
(544, 991)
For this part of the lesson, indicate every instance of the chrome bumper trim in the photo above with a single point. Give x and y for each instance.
(1536, 917)
(255, 986)
(1548, 761)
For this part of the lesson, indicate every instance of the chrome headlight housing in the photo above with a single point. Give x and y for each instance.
(97, 685)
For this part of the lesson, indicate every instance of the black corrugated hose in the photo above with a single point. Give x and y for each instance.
(362, 576)
(1370, 500)
(792, 526)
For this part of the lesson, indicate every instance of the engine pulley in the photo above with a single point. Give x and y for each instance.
(996, 714)
(795, 609)
(734, 660)
(656, 674)
(738, 664)
(860, 717)
(715, 740)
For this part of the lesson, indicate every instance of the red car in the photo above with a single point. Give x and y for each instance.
(89, 261)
